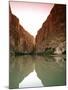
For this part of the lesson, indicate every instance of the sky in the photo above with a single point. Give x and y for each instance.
(31, 15)
(31, 80)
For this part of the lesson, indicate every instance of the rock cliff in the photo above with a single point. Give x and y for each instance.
(52, 33)
(20, 39)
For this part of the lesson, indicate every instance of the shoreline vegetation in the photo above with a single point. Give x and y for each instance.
(48, 52)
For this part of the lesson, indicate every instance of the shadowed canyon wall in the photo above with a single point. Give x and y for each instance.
(52, 33)
(20, 40)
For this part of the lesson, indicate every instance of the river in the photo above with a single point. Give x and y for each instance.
(37, 71)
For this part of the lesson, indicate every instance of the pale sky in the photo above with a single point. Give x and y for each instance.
(31, 80)
(31, 15)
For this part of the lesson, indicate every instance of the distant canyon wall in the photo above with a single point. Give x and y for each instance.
(52, 34)
(20, 40)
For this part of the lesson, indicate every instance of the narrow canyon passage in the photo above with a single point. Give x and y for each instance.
(37, 41)
(31, 15)
(28, 34)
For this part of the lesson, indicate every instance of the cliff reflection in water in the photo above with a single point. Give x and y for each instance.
(49, 70)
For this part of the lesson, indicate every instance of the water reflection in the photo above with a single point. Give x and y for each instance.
(36, 71)
(31, 80)
(20, 67)
(50, 72)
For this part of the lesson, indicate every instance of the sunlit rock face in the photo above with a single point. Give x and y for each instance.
(52, 33)
(20, 40)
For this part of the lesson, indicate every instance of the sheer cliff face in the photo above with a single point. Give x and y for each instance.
(20, 40)
(52, 32)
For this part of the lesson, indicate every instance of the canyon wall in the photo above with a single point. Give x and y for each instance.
(20, 39)
(52, 34)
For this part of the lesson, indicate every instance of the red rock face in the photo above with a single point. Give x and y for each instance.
(52, 33)
(20, 40)
(26, 41)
